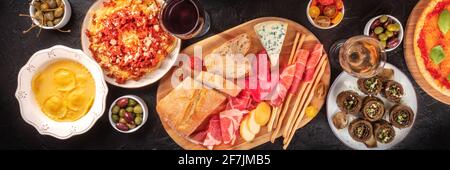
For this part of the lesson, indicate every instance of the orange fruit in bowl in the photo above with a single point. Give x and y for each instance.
(337, 18)
(314, 11)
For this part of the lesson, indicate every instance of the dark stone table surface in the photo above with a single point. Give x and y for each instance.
(431, 129)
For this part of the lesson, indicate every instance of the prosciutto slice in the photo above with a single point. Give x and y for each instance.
(313, 61)
(213, 134)
(281, 90)
(260, 84)
(300, 63)
(230, 121)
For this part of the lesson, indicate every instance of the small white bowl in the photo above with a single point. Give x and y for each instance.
(318, 26)
(144, 113)
(65, 19)
(400, 34)
(31, 111)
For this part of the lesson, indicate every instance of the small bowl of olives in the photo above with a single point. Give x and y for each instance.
(128, 113)
(387, 29)
(50, 14)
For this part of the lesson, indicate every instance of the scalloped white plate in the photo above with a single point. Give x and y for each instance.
(31, 112)
(149, 78)
(346, 82)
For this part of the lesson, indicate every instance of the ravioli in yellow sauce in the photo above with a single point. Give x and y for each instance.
(64, 90)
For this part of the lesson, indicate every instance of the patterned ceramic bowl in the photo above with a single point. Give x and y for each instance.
(31, 112)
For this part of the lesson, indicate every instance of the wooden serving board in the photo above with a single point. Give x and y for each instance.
(213, 42)
(410, 57)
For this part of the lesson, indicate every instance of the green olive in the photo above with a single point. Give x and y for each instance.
(59, 12)
(378, 30)
(122, 120)
(131, 126)
(115, 118)
(389, 33)
(132, 102)
(129, 109)
(384, 19)
(122, 112)
(138, 120)
(138, 115)
(49, 16)
(138, 109)
(115, 109)
(393, 27)
(383, 44)
(382, 37)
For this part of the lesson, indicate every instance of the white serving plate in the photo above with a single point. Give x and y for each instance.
(148, 79)
(31, 112)
(346, 82)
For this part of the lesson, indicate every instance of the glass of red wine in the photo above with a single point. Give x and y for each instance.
(184, 19)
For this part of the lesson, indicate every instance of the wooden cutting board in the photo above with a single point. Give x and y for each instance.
(213, 42)
(411, 59)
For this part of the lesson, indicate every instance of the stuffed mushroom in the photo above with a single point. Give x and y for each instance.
(360, 130)
(384, 132)
(393, 91)
(349, 101)
(401, 116)
(370, 86)
(373, 110)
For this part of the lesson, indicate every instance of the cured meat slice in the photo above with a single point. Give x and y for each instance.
(313, 61)
(241, 102)
(213, 135)
(261, 83)
(300, 63)
(280, 91)
(229, 124)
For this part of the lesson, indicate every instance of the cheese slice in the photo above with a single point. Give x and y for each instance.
(272, 34)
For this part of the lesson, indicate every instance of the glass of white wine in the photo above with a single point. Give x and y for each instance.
(361, 56)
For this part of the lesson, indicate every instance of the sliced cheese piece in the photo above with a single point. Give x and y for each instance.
(218, 82)
(272, 35)
(245, 133)
(253, 127)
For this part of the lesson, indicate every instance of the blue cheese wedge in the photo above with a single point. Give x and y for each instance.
(272, 34)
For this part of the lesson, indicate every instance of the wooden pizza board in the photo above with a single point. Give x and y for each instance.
(213, 42)
(410, 57)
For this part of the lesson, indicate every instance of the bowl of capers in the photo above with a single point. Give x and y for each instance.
(50, 14)
(128, 113)
(387, 29)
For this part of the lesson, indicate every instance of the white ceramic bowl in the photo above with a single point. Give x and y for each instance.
(318, 26)
(346, 82)
(146, 80)
(64, 21)
(30, 110)
(144, 114)
(400, 34)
